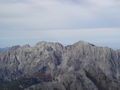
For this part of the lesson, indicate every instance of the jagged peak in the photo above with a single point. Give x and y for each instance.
(41, 43)
(45, 43)
(26, 46)
(15, 47)
(83, 43)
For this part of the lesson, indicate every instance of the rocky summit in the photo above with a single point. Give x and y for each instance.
(52, 66)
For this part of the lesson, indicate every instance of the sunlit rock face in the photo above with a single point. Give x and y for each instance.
(52, 66)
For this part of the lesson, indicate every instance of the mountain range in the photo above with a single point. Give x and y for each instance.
(53, 66)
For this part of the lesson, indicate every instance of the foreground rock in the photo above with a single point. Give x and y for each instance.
(52, 66)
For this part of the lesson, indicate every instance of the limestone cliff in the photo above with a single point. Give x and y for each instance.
(52, 66)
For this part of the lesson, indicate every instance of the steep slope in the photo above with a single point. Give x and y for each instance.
(52, 66)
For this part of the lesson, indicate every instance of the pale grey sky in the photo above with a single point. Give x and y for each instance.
(66, 21)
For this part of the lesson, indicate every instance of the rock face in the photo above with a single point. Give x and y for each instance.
(52, 66)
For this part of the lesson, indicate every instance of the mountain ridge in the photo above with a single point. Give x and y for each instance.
(53, 66)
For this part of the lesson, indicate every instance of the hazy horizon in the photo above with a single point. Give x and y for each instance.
(102, 37)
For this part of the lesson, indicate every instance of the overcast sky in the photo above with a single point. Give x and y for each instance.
(65, 21)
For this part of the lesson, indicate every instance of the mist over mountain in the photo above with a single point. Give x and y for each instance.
(53, 66)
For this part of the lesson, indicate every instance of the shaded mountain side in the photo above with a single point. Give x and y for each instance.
(4, 49)
(52, 66)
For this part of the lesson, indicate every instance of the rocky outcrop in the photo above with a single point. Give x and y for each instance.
(52, 66)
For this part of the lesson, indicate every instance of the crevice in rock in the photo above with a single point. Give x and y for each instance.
(96, 83)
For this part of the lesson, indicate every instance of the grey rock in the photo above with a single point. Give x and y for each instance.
(81, 66)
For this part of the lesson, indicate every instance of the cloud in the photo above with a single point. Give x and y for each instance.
(23, 21)
(59, 14)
